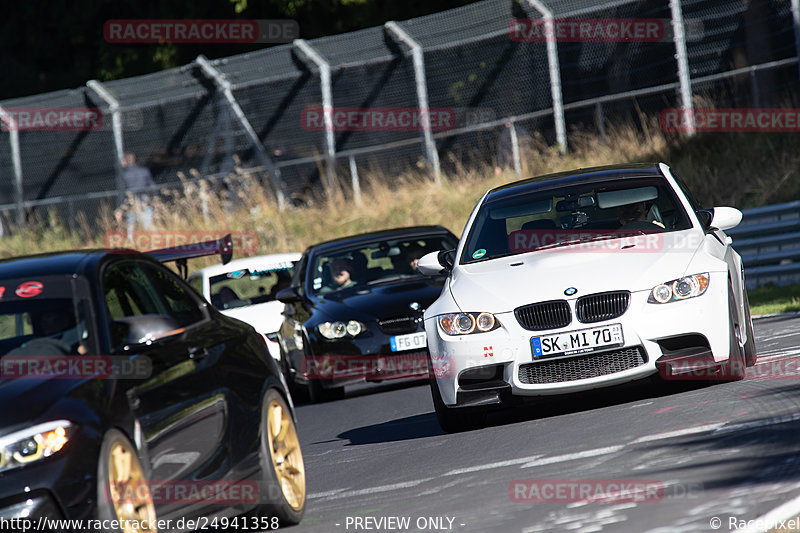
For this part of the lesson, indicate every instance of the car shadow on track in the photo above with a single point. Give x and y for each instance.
(425, 425)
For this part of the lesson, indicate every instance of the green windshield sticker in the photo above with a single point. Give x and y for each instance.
(479, 253)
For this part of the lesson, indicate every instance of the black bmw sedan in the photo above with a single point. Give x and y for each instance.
(129, 403)
(354, 310)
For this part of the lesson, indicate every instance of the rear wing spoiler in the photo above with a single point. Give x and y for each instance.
(179, 254)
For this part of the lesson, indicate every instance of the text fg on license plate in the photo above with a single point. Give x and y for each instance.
(412, 341)
(580, 341)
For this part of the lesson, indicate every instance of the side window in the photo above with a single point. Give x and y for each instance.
(687, 192)
(298, 278)
(127, 292)
(179, 303)
(197, 284)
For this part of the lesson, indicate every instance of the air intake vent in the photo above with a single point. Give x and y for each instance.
(581, 367)
(603, 306)
(399, 325)
(544, 315)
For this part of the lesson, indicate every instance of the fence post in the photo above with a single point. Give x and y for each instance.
(796, 24)
(422, 94)
(512, 131)
(261, 153)
(116, 128)
(600, 121)
(16, 161)
(555, 77)
(327, 107)
(355, 181)
(684, 76)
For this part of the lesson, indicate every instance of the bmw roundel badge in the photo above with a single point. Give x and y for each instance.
(414, 306)
(570, 291)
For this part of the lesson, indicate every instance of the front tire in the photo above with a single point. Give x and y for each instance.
(455, 420)
(282, 464)
(123, 493)
(733, 369)
(318, 394)
(750, 355)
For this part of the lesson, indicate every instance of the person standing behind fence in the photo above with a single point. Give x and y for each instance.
(137, 180)
(505, 147)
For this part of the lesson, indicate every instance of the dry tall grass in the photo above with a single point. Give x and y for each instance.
(742, 170)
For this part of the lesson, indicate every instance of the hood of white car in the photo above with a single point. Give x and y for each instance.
(503, 284)
(264, 317)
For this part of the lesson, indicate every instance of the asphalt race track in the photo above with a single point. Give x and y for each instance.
(378, 461)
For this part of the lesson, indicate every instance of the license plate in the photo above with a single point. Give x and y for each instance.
(580, 341)
(412, 341)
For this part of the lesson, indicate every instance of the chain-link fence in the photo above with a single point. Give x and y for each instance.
(313, 114)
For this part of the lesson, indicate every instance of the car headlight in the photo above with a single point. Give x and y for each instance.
(679, 289)
(466, 323)
(338, 330)
(32, 444)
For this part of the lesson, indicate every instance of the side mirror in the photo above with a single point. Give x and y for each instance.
(726, 218)
(704, 216)
(142, 330)
(287, 296)
(436, 263)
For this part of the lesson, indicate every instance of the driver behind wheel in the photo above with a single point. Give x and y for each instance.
(635, 214)
(55, 333)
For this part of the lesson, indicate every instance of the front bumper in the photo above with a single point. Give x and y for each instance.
(657, 338)
(60, 487)
(368, 357)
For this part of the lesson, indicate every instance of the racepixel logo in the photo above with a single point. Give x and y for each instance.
(605, 30)
(51, 119)
(73, 367)
(245, 242)
(730, 120)
(599, 490)
(200, 31)
(378, 119)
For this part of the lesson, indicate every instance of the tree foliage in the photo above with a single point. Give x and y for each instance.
(59, 44)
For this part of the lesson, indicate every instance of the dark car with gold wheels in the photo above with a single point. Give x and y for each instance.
(130, 403)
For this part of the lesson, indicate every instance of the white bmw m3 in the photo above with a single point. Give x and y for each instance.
(582, 280)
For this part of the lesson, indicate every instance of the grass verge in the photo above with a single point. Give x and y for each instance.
(770, 299)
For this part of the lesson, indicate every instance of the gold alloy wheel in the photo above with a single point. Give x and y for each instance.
(287, 459)
(130, 493)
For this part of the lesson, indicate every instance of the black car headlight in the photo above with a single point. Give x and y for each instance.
(33, 444)
(679, 289)
(339, 329)
(466, 323)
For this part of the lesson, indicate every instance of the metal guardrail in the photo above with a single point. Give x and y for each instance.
(768, 239)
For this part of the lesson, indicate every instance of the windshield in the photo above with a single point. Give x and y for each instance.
(550, 219)
(375, 263)
(250, 286)
(41, 317)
